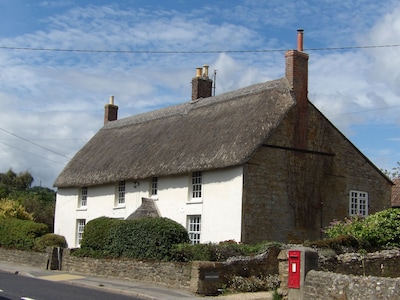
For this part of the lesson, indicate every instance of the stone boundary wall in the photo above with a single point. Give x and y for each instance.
(169, 274)
(382, 264)
(321, 285)
(200, 277)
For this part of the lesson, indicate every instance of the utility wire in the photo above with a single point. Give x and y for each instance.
(191, 51)
(42, 157)
(33, 143)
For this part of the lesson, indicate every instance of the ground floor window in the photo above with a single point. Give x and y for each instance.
(358, 204)
(80, 225)
(194, 228)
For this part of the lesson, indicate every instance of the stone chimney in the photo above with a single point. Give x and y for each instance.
(201, 84)
(110, 111)
(297, 76)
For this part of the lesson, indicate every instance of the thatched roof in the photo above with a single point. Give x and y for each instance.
(209, 133)
(148, 208)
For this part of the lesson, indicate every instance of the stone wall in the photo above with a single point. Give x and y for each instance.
(284, 185)
(326, 286)
(345, 284)
(201, 277)
(383, 263)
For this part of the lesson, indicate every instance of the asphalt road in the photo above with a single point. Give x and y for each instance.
(17, 287)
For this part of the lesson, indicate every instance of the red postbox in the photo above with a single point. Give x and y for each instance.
(294, 269)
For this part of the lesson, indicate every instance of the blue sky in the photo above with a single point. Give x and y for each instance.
(52, 102)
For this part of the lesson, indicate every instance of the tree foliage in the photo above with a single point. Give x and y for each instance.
(12, 182)
(393, 173)
(12, 209)
(38, 202)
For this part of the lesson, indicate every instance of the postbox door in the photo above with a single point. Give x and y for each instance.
(294, 269)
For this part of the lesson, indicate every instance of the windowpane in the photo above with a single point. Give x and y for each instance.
(154, 186)
(121, 192)
(358, 205)
(194, 228)
(80, 226)
(197, 178)
(83, 197)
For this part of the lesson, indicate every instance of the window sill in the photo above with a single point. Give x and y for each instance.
(195, 201)
(82, 208)
(119, 207)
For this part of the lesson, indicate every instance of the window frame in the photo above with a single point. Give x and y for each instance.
(358, 203)
(154, 187)
(83, 196)
(196, 186)
(120, 195)
(80, 227)
(194, 228)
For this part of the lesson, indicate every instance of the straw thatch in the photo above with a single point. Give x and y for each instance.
(205, 134)
(148, 208)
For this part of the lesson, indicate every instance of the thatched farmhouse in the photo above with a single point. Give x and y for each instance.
(258, 163)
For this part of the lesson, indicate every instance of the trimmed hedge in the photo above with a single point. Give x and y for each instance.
(50, 240)
(20, 234)
(96, 233)
(146, 238)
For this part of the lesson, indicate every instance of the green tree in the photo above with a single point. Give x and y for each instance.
(393, 173)
(39, 202)
(12, 182)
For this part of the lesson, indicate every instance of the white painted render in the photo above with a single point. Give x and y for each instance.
(220, 207)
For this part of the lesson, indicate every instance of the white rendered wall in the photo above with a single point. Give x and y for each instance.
(220, 207)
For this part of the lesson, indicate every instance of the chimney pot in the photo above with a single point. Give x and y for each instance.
(205, 71)
(112, 100)
(300, 39)
(198, 72)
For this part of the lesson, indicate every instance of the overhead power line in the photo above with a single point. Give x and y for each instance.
(33, 143)
(190, 51)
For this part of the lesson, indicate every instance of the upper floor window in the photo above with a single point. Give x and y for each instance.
(358, 204)
(121, 193)
(154, 186)
(197, 181)
(83, 197)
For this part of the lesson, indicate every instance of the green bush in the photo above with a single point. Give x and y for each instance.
(146, 238)
(50, 240)
(381, 229)
(96, 233)
(20, 234)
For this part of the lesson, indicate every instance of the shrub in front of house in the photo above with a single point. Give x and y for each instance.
(381, 229)
(96, 236)
(50, 240)
(20, 234)
(146, 238)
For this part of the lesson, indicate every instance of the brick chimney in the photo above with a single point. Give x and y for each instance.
(201, 84)
(110, 111)
(297, 76)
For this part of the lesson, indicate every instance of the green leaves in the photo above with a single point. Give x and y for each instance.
(381, 229)
(146, 238)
